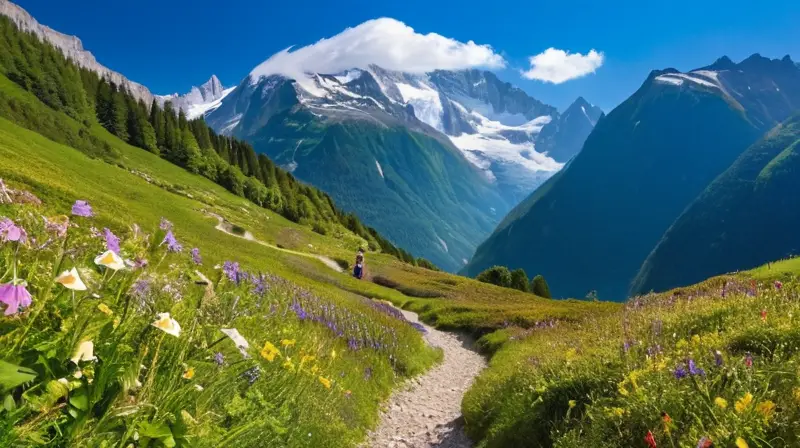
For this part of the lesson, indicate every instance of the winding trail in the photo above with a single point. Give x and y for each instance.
(426, 411)
(227, 227)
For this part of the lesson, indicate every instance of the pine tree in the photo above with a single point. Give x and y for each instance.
(158, 123)
(119, 114)
(519, 280)
(540, 288)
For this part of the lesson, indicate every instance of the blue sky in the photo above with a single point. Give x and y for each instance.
(170, 45)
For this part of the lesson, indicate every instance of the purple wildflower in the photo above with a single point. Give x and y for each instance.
(419, 327)
(694, 370)
(252, 374)
(82, 208)
(54, 226)
(231, 270)
(165, 225)
(14, 297)
(112, 241)
(778, 285)
(141, 292)
(626, 346)
(680, 372)
(11, 232)
(172, 244)
(139, 263)
(196, 256)
(718, 358)
(219, 359)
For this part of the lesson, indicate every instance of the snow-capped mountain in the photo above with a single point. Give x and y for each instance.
(72, 48)
(199, 100)
(495, 125)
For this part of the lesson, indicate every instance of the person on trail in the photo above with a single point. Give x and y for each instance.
(358, 269)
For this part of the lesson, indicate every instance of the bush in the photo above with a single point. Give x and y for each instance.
(540, 288)
(318, 227)
(519, 280)
(496, 275)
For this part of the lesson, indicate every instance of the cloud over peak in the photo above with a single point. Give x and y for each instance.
(386, 42)
(557, 66)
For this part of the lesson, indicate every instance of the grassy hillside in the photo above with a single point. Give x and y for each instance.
(715, 361)
(747, 216)
(341, 359)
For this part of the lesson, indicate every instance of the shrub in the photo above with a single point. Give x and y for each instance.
(318, 227)
(540, 288)
(496, 275)
(519, 280)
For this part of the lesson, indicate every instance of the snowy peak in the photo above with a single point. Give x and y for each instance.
(72, 48)
(211, 89)
(199, 100)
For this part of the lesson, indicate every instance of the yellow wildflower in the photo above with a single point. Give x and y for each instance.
(116, 322)
(696, 339)
(306, 359)
(634, 377)
(269, 352)
(325, 382)
(621, 388)
(572, 403)
(740, 443)
(288, 364)
(616, 412)
(766, 409)
(571, 355)
(744, 403)
(189, 373)
(105, 309)
(315, 369)
(288, 342)
(681, 344)
(333, 354)
(721, 403)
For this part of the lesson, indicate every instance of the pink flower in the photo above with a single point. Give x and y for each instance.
(778, 284)
(11, 232)
(14, 297)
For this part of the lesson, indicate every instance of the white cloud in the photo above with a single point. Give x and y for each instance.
(388, 43)
(557, 66)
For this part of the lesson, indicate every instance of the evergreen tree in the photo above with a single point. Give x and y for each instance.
(119, 114)
(540, 288)
(519, 280)
(496, 275)
(158, 123)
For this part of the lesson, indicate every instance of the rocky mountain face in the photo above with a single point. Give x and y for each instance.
(592, 225)
(72, 48)
(199, 100)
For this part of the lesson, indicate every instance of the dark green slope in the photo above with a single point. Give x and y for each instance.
(428, 197)
(591, 227)
(749, 215)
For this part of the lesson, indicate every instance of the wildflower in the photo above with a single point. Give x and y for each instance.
(650, 440)
(57, 225)
(705, 442)
(269, 352)
(744, 403)
(572, 403)
(238, 339)
(333, 354)
(766, 409)
(188, 374)
(763, 315)
(679, 372)
(667, 420)
(288, 364)
(165, 225)
(721, 403)
(694, 370)
(116, 323)
(252, 374)
(172, 244)
(778, 285)
(105, 309)
(82, 208)
(741, 443)
(112, 241)
(315, 369)
(110, 260)
(325, 382)
(167, 324)
(14, 297)
(71, 280)
(748, 360)
(85, 352)
(288, 342)
(11, 232)
(231, 270)
(196, 256)
(219, 358)
(198, 387)
(571, 355)
(718, 358)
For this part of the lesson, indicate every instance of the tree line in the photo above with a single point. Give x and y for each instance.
(82, 94)
(516, 279)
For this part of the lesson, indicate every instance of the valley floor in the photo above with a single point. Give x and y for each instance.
(427, 413)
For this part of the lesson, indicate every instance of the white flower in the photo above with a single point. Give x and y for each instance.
(63, 381)
(238, 339)
(198, 387)
(110, 260)
(85, 352)
(78, 374)
(167, 324)
(71, 280)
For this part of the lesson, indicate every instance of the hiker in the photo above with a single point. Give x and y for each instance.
(358, 269)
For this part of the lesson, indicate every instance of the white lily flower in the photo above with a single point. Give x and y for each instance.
(238, 339)
(71, 280)
(110, 260)
(167, 324)
(85, 352)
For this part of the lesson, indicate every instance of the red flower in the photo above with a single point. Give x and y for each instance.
(650, 440)
(764, 315)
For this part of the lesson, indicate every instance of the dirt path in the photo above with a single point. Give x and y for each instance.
(227, 227)
(426, 412)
